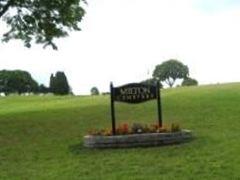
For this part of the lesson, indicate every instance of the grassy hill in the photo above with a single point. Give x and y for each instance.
(41, 137)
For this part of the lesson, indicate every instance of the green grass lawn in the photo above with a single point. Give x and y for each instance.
(42, 137)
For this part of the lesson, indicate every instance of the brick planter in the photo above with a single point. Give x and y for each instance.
(137, 140)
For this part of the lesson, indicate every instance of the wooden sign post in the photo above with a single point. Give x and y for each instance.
(135, 93)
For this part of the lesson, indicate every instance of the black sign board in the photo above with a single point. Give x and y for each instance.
(135, 93)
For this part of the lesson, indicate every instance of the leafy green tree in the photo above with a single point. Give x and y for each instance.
(40, 21)
(171, 70)
(59, 84)
(94, 91)
(43, 89)
(51, 84)
(189, 82)
(152, 81)
(17, 82)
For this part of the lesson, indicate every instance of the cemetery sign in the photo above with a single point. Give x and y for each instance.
(135, 93)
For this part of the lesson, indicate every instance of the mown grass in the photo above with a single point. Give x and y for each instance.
(41, 137)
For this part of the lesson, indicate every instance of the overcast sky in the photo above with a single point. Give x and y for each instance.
(123, 40)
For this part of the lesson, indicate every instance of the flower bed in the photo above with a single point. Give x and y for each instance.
(136, 128)
(137, 135)
(137, 140)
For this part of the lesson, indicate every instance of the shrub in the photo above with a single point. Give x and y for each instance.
(122, 129)
(158, 129)
(105, 93)
(189, 82)
(175, 127)
(152, 82)
(137, 128)
(102, 132)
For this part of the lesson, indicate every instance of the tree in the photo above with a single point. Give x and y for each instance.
(51, 84)
(41, 21)
(94, 91)
(171, 70)
(43, 89)
(189, 82)
(152, 81)
(17, 82)
(59, 84)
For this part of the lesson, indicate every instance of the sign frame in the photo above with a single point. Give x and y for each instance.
(137, 93)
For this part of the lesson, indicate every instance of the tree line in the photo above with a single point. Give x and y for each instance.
(18, 81)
